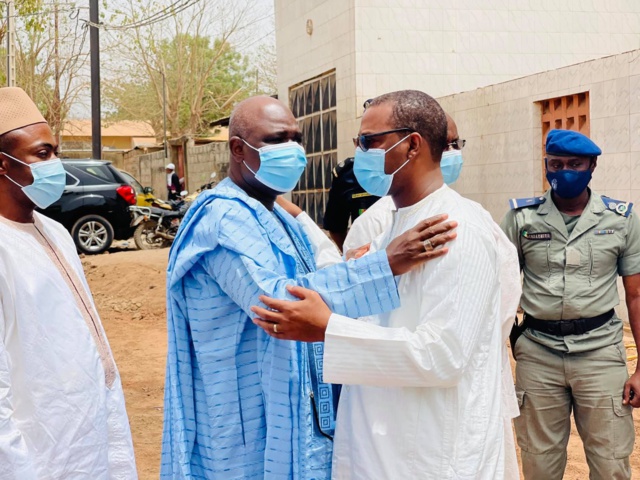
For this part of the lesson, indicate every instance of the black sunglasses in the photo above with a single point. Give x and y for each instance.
(457, 144)
(364, 141)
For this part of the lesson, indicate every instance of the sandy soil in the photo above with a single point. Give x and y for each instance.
(129, 288)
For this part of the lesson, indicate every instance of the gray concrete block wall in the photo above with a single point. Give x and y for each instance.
(503, 128)
(149, 170)
(202, 160)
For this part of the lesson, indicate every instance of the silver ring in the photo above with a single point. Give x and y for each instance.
(275, 328)
(428, 246)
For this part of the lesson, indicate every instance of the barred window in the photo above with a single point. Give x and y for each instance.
(313, 103)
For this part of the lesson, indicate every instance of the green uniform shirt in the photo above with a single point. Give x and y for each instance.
(573, 275)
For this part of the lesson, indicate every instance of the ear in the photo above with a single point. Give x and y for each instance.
(594, 164)
(416, 142)
(4, 162)
(236, 147)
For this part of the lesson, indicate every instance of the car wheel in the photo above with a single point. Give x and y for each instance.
(92, 234)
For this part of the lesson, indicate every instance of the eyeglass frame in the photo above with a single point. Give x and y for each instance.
(457, 144)
(362, 140)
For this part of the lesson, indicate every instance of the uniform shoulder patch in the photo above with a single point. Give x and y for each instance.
(345, 164)
(516, 203)
(618, 206)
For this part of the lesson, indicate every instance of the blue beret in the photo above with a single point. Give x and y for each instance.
(570, 143)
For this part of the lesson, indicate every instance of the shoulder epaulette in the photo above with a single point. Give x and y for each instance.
(618, 206)
(341, 166)
(516, 203)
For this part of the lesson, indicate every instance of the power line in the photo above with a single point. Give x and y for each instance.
(167, 12)
(271, 32)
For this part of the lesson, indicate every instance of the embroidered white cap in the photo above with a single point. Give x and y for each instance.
(17, 110)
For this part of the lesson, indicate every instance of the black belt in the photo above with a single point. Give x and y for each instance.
(567, 327)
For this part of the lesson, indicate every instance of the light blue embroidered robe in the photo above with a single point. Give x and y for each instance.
(238, 402)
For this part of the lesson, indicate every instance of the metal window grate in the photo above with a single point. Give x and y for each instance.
(313, 103)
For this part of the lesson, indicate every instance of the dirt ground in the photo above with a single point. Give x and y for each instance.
(129, 289)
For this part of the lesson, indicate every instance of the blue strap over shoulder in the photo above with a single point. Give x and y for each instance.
(618, 206)
(516, 203)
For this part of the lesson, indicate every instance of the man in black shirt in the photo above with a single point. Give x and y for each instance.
(347, 201)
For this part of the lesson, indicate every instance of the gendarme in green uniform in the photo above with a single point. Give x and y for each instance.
(573, 244)
(570, 275)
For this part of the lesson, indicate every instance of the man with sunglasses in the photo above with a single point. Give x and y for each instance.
(572, 245)
(379, 216)
(238, 403)
(423, 385)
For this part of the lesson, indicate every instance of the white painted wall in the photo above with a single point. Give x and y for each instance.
(502, 126)
(450, 46)
(440, 46)
(331, 46)
(503, 129)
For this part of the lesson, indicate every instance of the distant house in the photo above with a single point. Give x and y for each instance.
(217, 134)
(124, 135)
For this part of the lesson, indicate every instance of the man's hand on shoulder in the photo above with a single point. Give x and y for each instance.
(304, 320)
(423, 242)
(290, 207)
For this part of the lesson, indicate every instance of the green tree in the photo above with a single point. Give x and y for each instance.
(50, 65)
(203, 80)
(51, 53)
(31, 15)
(197, 51)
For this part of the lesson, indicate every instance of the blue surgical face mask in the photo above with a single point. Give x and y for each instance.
(451, 165)
(368, 168)
(280, 165)
(568, 183)
(49, 180)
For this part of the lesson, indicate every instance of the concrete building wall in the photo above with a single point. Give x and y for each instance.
(149, 170)
(330, 46)
(440, 46)
(203, 160)
(502, 126)
(108, 142)
(450, 46)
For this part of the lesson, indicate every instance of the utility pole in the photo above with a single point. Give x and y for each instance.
(57, 110)
(164, 113)
(11, 44)
(94, 41)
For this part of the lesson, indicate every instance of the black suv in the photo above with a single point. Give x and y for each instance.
(95, 205)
